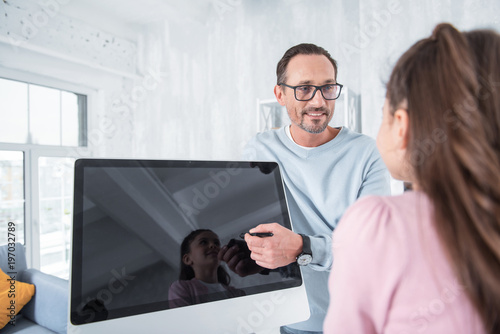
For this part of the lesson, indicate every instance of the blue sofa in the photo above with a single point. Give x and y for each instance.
(47, 311)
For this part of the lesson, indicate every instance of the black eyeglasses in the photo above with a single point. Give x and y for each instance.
(307, 92)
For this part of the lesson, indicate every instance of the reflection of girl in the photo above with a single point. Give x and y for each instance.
(429, 260)
(201, 278)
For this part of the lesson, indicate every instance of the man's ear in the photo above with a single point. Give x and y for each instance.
(186, 259)
(400, 128)
(278, 92)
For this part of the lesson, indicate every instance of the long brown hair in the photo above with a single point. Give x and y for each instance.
(187, 272)
(453, 154)
(485, 45)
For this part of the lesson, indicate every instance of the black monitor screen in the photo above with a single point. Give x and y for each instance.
(132, 216)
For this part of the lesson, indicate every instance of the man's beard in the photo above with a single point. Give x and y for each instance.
(317, 126)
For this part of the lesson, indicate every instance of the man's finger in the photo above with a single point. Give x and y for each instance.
(266, 265)
(255, 242)
(264, 228)
(222, 253)
(235, 259)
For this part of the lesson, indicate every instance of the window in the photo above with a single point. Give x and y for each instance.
(11, 193)
(55, 213)
(41, 115)
(37, 153)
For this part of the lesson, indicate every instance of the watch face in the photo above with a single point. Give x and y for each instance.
(304, 259)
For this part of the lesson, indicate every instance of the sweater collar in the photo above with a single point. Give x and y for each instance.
(288, 142)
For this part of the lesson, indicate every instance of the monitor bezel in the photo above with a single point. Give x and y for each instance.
(81, 164)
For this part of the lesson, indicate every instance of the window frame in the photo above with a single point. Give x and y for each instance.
(34, 151)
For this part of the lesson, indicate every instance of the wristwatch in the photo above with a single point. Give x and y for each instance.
(304, 258)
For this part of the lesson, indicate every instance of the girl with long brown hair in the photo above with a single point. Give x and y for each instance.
(428, 261)
(202, 278)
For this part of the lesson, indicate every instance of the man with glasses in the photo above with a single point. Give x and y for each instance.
(325, 170)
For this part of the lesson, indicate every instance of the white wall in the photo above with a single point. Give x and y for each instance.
(392, 27)
(186, 86)
(218, 68)
(39, 44)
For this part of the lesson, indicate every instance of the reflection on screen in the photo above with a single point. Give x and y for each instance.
(147, 234)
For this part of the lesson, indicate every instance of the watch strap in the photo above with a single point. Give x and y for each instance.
(306, 244)
(305, 257)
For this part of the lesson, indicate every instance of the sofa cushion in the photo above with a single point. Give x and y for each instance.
(49, 306)
(13, 296)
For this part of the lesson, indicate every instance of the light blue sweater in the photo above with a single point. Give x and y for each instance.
(320, 183)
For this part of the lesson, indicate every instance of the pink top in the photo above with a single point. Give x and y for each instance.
(390, 273)
(194, 291)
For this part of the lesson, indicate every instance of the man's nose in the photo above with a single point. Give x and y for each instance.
(317, 100)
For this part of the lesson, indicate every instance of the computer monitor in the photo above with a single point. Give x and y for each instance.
(130, 219)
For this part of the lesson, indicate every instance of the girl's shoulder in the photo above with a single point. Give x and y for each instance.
(192, 284)
(374, 219)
